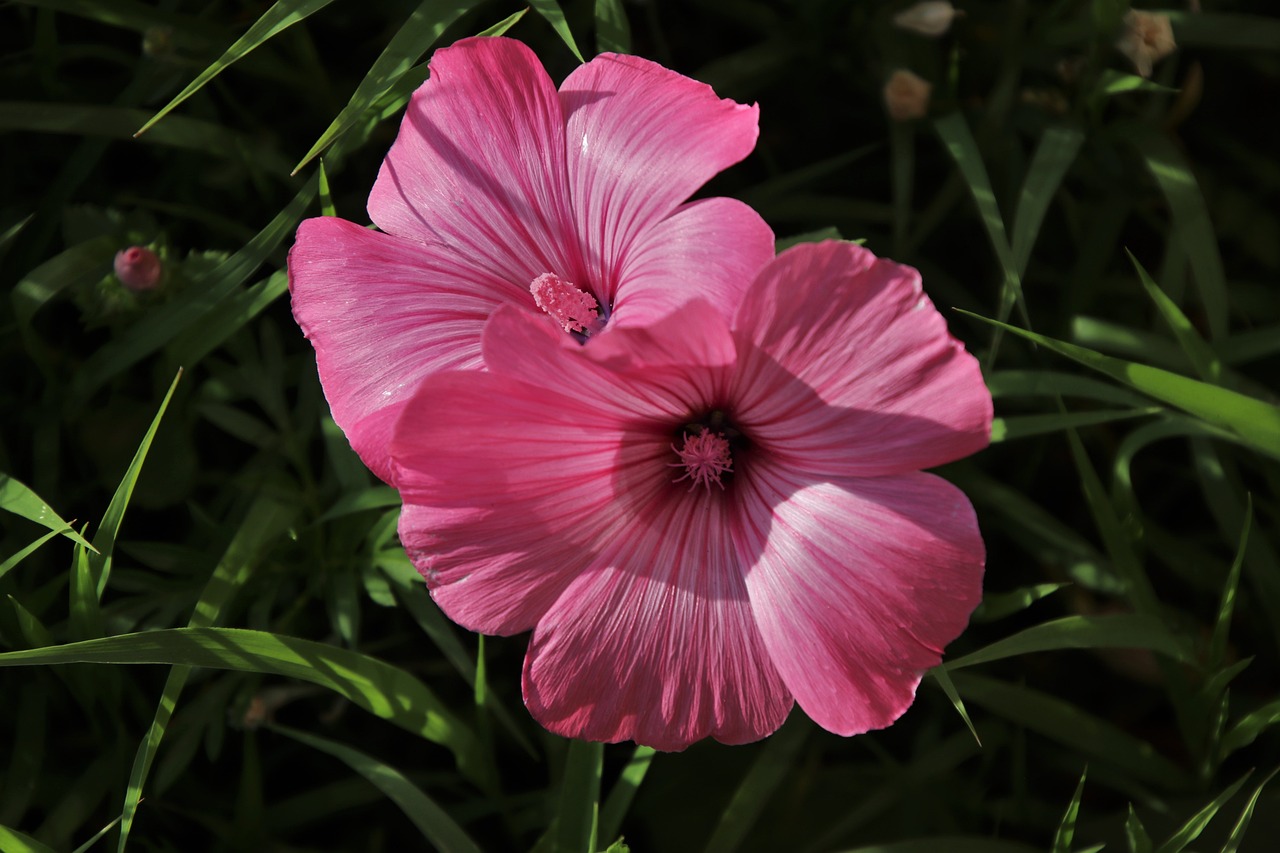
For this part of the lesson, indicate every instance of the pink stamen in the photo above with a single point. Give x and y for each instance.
(575, 310)
(706, 459)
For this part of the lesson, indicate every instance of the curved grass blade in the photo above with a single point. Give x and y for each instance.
(624, 791)
(18, 498)
(1025, 426)
(1136, 834)
(1247, 730)
(941, 676)
(266, 519)
(758, 786)
(1080, 632)
(503, 25)
(1246, 815)
(1072, 726)
(578, 816)
(1253, 422)
(613, 32)
(1001, 604)
(432, 821)
(225, 319)
(1191, 830)
(550, 10)
(1203, 358)
(12, 841)
(78, 266)
(1067, 828)
(1054, 155)
(425, 24)
(281, 16)
(378, 687)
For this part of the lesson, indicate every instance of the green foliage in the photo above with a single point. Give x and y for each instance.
(210, 637)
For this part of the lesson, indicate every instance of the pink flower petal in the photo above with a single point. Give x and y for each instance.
(641, 139)
(479, 165)
(710, 249)
(859, 586)
(382, 313)
(860, 336)
(656, 641)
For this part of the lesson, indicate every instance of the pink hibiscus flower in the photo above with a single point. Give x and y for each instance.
(498, 181)
(704, 521)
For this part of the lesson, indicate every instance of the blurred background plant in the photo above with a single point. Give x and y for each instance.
(1102, 177)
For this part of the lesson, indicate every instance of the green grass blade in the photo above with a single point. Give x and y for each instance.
(613, 32)
(1217, 653)
(224, 320)
(1077, 729)
(1136, 834)
(425, 24)
(179, 316)
(1053, 384)
(1024, 426)
(12, 841)
(551, 11)
(1054, 155)
(431, 820)
(78, 266)
(104, 541)
(950, 844)
(503, 25)
(93, 839)
(578, 812)
(1001, 604)
(959, 142)
(326, 197)
(1192, 227)
(279, 17)
(1191, 830)
(771, 766)
(1247, 730)
(943, 678)
(1080, 632)
(17, 498)
(378, 687)
(1067, 827)
(266, 519)
(1242, 823)
(1253, 422)
(624, 791)
(1202, 356)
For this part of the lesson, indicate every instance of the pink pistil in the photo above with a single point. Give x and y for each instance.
(705, 458)
(575, 310)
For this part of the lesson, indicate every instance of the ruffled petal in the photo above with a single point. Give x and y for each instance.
(479, 164)
(382, 313)
(656, 641)
(641, 139)
(710, 249)
(853, 372)
(859, 586)
(508, 489)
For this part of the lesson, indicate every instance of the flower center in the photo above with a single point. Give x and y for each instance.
(574, 309)
(705, 458)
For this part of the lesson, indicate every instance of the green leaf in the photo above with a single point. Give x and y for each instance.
(1253, 422)
(1080, 632)
(943, 678)
(1111, 82)
(19, 499)
(1136, 834)
(1054, 155)
(1048, 383)
(950, 844)
(767, 772)
(1025, 426)
(425, 24)
(15, 559)
(578, 813)
(1192, 228)
(997, 605)
(12, 841)
(613, 32)
(624, 791)
(1246, 815)
(1202, 356)
(79, 266)
(1077, 729)
(784, 243)
(266, 519)
(503, 25)
(224, 320)
(432, 821)
(1067, 827)
(550, 10)
(1191, 830)
(281, 16)
(1217, 653)
(376, 686)
(1247, 730)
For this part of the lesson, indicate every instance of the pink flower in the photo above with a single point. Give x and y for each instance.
(138, 268)
(497, 182)
(704, 521)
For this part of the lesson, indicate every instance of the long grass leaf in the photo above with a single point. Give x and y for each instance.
(1195, 825)
(943, 678)
(12, 841)
(1080, 632)
(577, 819)
(378, 687)
(1201, 355)
(425, 24)
(81, 265)
(281, 16)
(431, 820)
(1024, 426)
(771, 766)
(18, 498)
(1066, 833)
(1054, 155)
(1254, 422)
(505, 24)
(613, 32)
(624, 791)
(1246, 815)
(554, 15)
(224, 320)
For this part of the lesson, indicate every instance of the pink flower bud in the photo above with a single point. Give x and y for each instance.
(138, 268)
(906, 95)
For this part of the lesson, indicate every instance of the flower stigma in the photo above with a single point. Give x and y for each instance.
(574, 309)
(705, 458)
